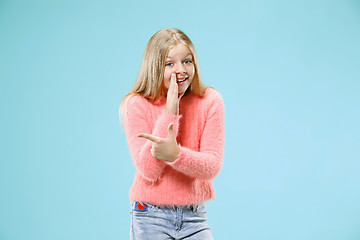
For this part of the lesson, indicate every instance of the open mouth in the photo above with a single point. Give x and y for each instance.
(182, 80)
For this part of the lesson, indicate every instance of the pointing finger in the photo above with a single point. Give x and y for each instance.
(149, 137)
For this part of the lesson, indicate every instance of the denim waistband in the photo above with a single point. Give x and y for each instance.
(193, 206)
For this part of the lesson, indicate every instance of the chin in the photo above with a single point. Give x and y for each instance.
(183, 90)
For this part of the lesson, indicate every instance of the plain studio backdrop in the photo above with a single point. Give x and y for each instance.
(289, 75)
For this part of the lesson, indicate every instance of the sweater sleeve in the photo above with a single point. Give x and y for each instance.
(136, 119)
(206, 163)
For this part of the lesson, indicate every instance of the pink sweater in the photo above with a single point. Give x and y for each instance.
(199, 130)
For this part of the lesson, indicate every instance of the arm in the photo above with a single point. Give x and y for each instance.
(136, 120)
(205, 163)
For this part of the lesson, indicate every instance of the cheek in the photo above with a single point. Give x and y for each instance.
(166, 80)
(191, 69)
(192, 73)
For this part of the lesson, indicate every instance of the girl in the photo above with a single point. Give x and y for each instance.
(175, 132)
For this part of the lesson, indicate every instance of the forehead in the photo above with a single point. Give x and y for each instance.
(179, 50)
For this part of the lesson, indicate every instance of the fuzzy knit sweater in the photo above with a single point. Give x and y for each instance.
(200, 133)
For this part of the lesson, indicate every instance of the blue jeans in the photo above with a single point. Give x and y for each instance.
(154, 223)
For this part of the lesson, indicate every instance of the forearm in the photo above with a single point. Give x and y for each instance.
(148, 166)
(201, 165)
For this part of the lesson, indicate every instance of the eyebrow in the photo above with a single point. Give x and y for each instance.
(185, 56)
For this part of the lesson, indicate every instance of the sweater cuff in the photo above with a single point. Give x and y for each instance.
(178, 162)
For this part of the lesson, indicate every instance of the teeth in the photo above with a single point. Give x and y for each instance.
(182, 80)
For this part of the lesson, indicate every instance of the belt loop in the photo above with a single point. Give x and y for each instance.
(195, 207)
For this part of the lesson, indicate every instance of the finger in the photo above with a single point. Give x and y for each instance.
(173, 83)
(181, 95)
(149, 137)
(173, 78)
(171, 130)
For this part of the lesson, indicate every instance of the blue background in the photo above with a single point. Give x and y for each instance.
(289, 75)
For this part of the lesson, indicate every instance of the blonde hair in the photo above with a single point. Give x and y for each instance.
(150, 78)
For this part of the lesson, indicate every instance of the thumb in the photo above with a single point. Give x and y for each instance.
(181, 96)
(171, 130)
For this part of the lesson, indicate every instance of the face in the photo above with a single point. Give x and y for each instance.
(180, 62)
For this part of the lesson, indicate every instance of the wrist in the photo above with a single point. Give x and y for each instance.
(173, 112)
(176, 154)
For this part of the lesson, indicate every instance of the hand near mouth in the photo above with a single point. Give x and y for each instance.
(173, 97)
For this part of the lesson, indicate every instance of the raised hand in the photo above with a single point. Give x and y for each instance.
(165, 149)
(173, 98)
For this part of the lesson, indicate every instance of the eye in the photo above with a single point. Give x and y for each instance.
(187, 61)
(168, 64)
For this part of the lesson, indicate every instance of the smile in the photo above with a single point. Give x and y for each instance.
(182, 80)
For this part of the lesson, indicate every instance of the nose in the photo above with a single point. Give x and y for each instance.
(180, 69)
